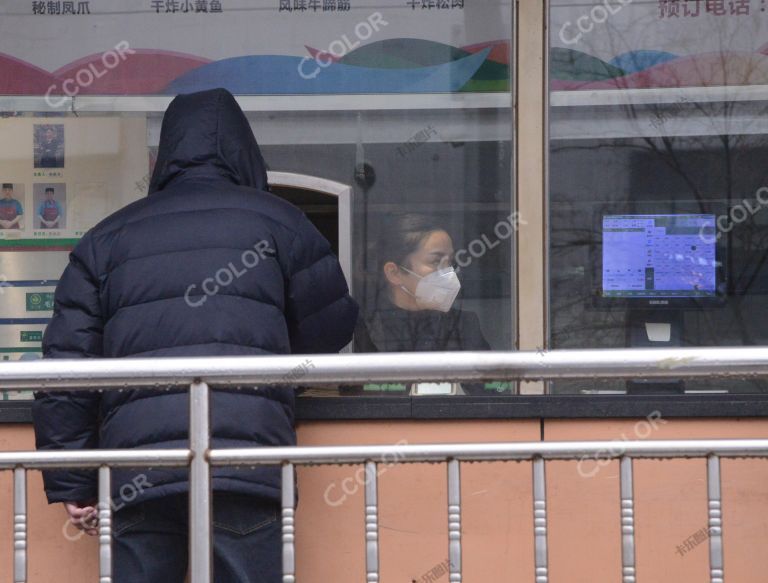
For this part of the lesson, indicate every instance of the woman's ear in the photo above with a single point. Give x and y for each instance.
(392, 273)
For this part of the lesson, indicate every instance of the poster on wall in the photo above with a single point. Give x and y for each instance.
(626, 44)
(12, 206)
(57, 180)
(49, 200)
(264, 47)
(49, 145)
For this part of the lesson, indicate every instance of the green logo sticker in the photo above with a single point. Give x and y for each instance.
(39, 302)
(31, 336)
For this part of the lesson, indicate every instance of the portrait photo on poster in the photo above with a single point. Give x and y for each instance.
(49, 145)
(49, 199)
(11, 206)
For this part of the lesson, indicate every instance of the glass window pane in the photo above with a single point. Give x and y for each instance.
(657, 231)
(390, 126)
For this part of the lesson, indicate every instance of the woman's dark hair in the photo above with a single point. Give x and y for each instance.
(401, 235)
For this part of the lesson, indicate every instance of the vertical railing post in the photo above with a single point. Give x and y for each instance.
(289, 526)
(200, 563)
(19, 525)
(371, 523)
(454, 521)
(105, 525)
(716, 571)
(540, 520)
(628, 573)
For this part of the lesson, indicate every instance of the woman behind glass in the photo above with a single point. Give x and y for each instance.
(417, 286)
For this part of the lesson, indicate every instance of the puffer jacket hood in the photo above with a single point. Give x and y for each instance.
(208, 132)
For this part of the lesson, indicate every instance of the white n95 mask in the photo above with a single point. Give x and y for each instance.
(436, 291)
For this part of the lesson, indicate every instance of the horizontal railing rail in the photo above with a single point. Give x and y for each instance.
(123, 373)
(475, 452)
(43, 460)
(199, 374)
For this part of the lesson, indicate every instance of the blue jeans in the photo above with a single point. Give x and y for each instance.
(150, 540)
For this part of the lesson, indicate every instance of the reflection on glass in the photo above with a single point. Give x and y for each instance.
(672, 136)
(412, 114)
(448, 199)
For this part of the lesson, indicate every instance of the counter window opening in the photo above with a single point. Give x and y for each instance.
(430, 265)
(328, 204)
(431, 230)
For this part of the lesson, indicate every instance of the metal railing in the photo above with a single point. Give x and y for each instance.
(199, 374)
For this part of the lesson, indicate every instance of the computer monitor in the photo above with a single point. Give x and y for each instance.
(660, 260)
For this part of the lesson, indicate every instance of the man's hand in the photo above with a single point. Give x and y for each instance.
(83, 515)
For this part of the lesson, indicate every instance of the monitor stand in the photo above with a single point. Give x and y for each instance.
(654, 329)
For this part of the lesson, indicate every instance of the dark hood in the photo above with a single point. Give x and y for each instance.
(208, 133)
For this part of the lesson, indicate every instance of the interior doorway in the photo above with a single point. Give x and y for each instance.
(326, 203)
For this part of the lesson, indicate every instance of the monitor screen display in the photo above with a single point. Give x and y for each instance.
(658, 256)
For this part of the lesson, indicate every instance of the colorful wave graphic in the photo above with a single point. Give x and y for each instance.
(574, 70)
(635, 61)
(400, 65)
(390, 66)
(20, 78)
(405, 53)
(270, 74)
(142, 72)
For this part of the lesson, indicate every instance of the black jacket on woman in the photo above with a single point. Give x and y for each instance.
(134, 287)
(393, 329)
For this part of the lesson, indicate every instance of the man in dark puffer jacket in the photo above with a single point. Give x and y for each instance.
(208, 264)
